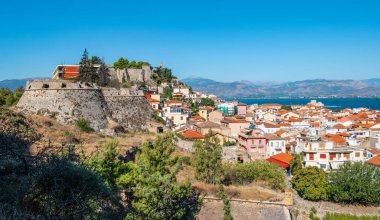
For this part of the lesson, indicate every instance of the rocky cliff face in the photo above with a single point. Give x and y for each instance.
(68, 101)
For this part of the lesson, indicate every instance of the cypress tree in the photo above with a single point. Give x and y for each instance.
(103, 75)
(86, 72)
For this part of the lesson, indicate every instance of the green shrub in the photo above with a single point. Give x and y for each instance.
(311, 183)
(229, 143)
(312, 216)
(186, 160)
(157, 118)
(9, 98)
(338, 216)
(83, 125)
(245, 173)
(65, 190)
(356, 183)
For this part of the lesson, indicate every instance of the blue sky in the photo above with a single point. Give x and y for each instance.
(222, 40)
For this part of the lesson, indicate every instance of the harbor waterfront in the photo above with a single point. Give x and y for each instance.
(331, 103)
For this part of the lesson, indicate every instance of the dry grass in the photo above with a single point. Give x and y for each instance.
(255, 191)
(248, 192)
(56, 134)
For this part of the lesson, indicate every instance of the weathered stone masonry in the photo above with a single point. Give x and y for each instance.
(68, 101)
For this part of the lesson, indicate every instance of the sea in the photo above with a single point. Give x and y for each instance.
(331, 103)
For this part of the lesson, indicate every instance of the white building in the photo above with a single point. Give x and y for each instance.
(324, 155)
(275, 144)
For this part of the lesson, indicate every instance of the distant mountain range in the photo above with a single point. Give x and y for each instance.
(13, 84)
(305, 88)
(248, 89)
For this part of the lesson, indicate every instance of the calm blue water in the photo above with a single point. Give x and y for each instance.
(331, 103)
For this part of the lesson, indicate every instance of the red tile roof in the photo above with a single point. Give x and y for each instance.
(241, 104)
(374, 151)
(339, 126)
(279, 132)
(234, 120)
(191, 134)
(281, 159)
(206, 108)
(197, 117)
(152, 100)
(374, 160)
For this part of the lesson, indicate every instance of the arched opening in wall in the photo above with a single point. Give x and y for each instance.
(45, 86)
(160, 130)
(63, 85)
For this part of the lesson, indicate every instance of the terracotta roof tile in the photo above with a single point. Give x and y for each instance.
(374, 160)
(191, 134)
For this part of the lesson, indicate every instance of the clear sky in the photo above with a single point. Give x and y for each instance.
(262, 40)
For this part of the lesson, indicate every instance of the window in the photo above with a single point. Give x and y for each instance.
(347, 155)
(181, 118)
(311, 156)
(332, 156)
(322, 156)
(63, 85)
(323, 166)
(45, 86)
(260, 143)
(357, 154)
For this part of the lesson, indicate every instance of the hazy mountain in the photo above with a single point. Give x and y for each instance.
(15, 83)
(308, 88)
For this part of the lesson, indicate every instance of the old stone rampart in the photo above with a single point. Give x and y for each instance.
(68, 101)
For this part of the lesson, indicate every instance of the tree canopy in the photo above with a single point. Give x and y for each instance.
(207, 102)
(311, 183)
(207, 159)
(355, 183)
(9, 98)
(123, 63)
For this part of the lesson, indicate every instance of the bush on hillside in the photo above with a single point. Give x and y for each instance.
(355, 183)
(245, 173)
(311, 183)
(83, 124)
(339, 216)
(207, 159)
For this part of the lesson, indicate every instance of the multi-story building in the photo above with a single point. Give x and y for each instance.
(253, 143)
(328, 156)
(275, 144)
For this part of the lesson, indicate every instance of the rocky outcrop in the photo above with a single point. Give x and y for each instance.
(68, 101)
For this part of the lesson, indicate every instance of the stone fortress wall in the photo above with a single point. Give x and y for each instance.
(68, 101)
(135, 75)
